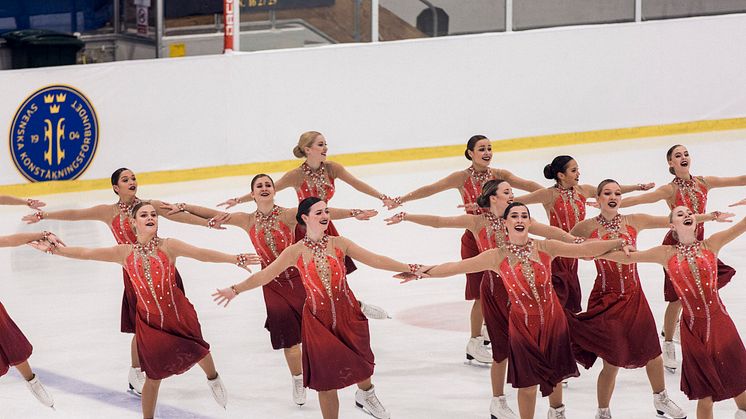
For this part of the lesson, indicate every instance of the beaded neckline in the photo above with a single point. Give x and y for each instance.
(688, 188)
(613, 225)
(480, 177)
(126, 209)
(318, 177)
(318, 250)
(148, 248)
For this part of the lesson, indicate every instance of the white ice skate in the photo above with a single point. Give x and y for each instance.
(475, 350)
(603, 413)
(669, 357)
(741, 414)
(299, 392)
(373, 312)
(136, 380)
(666, 408)
(676, 332)
(38, 390)
(369, 403)
(218, 391)
(499, 409)
(558, 413)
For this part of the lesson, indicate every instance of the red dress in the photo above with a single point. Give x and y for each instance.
(283, 296)
(567, 210)
(168, 333)
(540, 348)
(14, 347)
(693, 195)
(318, 183)
(336, 340)
(470, 191)
(618, 325)
(714, 358)
(124, 234)
(494, 297)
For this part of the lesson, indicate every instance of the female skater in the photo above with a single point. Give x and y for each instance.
(29, 202)
(315, 177)
(714, 358)
(489, 230)
(169, 336)
(691, 192)
(271, 230)
(117, 217)
(618, 326)
(565, 206)
(469, 183)
(539, 351)
(335, 336)
(15, 349)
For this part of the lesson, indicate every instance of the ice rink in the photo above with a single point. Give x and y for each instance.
(70, 309)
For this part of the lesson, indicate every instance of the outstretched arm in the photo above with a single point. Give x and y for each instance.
(583, 250)
(98, 213)
(18, 239)
(540, 196)
(720, 239)
(12, 200)
(723, 182)
(286, 259)
(371, 259)
(662, 193)
(518, 182)
(116, 254)
(347, 177)
(341, 213)
(645, 221)
(487, 260)
(239, 219)
(452, 181)
(655, 255)
(459, 221)
(551, 232)
(178, 248)
(179, 217)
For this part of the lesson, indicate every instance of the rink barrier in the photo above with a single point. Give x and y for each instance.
(388, 156)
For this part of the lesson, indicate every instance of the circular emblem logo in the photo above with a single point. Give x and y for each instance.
(54, 135)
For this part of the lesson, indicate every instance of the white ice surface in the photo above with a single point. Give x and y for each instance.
(70, 309)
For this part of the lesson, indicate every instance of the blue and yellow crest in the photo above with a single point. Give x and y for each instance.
(54, 134)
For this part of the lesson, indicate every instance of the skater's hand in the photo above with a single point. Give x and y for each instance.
(54, 240)
(224, 296)
(365, 215)
(230, 203)
(395, 219)
(246, 259)
(469, 207)
(723, 217)
(35, 203)
(33, 218)
(391, 203)
(741, 202)
(173, 208)
(592, 204)
(419, 272)
(628, 248)
(646, 186)
(217, 221)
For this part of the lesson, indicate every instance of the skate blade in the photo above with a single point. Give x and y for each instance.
(475, 363)
(366, 411)
(660, 414)
(132, 391)
(670, 370)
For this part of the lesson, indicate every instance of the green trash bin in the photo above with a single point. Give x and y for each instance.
(30, 48)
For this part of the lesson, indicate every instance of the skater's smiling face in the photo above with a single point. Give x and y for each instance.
(317, 149)
(609, 196)
(145, 221)
(570, 176)
(679, 160)
(517, 221)
(262, 188)
(481, 155)
(317, 219)
(126, 185)
(682, 221)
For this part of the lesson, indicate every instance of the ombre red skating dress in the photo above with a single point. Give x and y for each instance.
(692, 194)
(168, 333)
(320, 184)
(540, 348)
(714, 358)
(284, 296)
(14, 347)
(470, 191)
(124, 234)
(494, 297)
(618, 325)
(336, 340)
(567, 210)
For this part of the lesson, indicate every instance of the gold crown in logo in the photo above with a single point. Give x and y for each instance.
(49, 98)
(61, 97)
(54, 109)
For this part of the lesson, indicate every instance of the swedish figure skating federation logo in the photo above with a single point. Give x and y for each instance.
(54, 134)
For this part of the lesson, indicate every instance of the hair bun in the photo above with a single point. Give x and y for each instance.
(297, 152)
(548, 173)
(466, 154)
(483, 201)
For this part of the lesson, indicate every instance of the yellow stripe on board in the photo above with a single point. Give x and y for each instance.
(375, 157)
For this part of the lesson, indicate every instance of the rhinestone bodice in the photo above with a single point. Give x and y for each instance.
(568, 209)
(493, 234)
(316, 183)
(122, 229)
(690, 193)
(153, 278)
(529, 283)
(269, 235)
(472, 187)
(613, 276)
